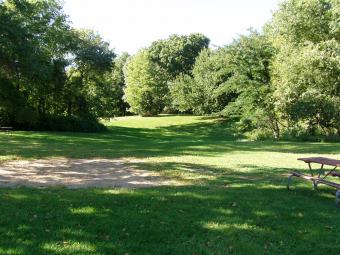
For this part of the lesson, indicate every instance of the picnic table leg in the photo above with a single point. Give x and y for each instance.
(310, 169)
(320, 171)
(315, 184)
(289, 180)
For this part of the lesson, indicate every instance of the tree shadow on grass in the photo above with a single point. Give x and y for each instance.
(234, 213)
(203, 139)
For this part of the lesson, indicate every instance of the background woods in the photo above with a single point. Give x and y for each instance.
(283, 81)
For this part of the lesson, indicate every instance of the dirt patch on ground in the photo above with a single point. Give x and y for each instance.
(78, 173)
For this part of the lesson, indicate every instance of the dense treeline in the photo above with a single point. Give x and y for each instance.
(52, 76)
(283, 81)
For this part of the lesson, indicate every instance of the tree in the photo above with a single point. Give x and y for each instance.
(108, 90)
(118, 84)
(177, 54)
(235, 82)
(88, 84)
(32, 61)
(306, 69)
(163, 61)
(182, 91)
(174, 56)
(249, 58)
(145, 85)
(200, 93)
(308, 86)
(299, 21)
(49, 72)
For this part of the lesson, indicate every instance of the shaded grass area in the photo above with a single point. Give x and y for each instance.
(234, 200)
(239, 219)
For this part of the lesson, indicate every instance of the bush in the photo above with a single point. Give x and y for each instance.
(64, 123)
(300, 133)
(260, 134)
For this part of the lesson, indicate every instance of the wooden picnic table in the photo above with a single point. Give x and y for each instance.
(319, 175)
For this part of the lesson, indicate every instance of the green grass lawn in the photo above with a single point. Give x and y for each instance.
(233, 197)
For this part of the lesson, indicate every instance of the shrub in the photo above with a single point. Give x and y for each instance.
(64, 123)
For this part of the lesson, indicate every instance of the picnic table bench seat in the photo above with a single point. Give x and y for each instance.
(320, 176)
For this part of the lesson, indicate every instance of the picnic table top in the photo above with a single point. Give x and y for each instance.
(322, 160)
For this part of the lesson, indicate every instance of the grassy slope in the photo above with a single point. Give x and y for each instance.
(234, 199)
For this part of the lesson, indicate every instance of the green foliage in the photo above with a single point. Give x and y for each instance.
(276, 82)
(306, 68)
(273, 83)
(200, 93)
(146, 87)
(165, 60)
(46, 67)
(177, 54)
(250, 58)
(31, 60)
(106, 90)
(308, 87)
(117, 79)
(89, 79)
(298, 21)
(234, 81)
(92, 53)
(182, 93)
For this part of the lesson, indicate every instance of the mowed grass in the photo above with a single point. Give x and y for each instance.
(233, 197)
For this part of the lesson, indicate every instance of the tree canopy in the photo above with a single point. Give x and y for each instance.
(283, 81)
(49, 70)
(150, 72)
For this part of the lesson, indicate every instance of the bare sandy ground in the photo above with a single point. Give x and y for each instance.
(78, 173)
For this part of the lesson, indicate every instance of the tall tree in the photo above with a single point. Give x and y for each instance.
(108, 90)
(249, 58)
(33, 42)
(118, 84)
(93, 61)
(169, 58)
(200, 91)
(146, 86)
(48, 69)
(177, 54)
(299, 21)
(306, 69)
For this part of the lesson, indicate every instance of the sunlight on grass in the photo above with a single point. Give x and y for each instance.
(8, 157)
(262, 214)
(119, 191)
(83, 210)
(156, 122)
(18, 196)
(216, 226)
(67, 247)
